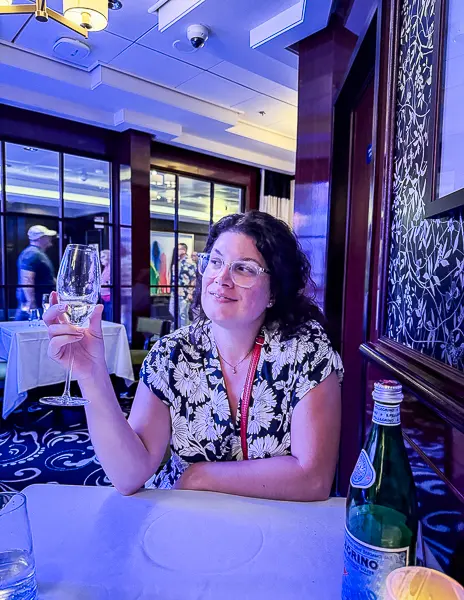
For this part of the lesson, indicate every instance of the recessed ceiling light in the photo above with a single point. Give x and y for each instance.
(114, 4)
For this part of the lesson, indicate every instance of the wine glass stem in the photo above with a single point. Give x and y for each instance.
(67, 384)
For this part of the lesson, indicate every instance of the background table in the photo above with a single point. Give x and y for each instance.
(91, 543)
(29, 367)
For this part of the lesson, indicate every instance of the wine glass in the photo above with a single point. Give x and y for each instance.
(45, 301)
(78, 287)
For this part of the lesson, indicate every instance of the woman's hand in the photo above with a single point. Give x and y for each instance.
(87, 344)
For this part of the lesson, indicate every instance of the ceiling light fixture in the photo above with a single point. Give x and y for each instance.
(89, 14)
(81, 16)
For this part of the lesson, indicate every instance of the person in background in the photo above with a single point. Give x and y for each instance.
(35, 270)
(187, 280)
(105, 259)
(194, 311)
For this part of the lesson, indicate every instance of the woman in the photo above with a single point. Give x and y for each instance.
(254, 278)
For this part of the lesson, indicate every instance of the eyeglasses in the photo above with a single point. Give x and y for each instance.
(243, 273)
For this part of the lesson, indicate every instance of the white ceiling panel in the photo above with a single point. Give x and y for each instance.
(216, 89)
(154, 66)
(285, 94)
(275, 110)
(209, 99)
(230, 22)
(203, 58)
(260, 84)
(132, 20)
(286, 126)
(41, 37)
(10, 25)
(256, 145)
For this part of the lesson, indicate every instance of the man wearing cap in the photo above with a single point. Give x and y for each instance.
(35, 270)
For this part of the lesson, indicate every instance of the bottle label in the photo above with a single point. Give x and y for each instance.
(364, 474)
(384, 414)
(367, 568)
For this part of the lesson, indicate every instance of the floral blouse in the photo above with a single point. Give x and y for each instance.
(183, 370)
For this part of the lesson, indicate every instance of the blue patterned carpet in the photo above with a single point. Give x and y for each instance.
(40, 444)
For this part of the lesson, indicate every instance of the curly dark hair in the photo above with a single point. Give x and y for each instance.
(292, 288)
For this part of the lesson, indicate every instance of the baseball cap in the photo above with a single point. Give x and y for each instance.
(37, 231)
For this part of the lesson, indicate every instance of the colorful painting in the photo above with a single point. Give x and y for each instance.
(161, 252)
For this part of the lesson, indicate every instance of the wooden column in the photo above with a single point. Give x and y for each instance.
(136, 153)
(324, 59)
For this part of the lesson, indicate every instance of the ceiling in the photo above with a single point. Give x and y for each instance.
(235, 98)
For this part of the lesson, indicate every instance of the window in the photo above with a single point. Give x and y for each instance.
(86, 188)
(182, 211)
(32, 180)
(50, 199)
(227, 201)
(125, 241)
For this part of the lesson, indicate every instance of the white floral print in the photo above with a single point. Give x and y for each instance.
(184, 372)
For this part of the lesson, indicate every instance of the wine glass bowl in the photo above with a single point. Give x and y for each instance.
(78, 283)
(78, 288)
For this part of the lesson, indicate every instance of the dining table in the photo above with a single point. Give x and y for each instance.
(24, 348)
(92, 543)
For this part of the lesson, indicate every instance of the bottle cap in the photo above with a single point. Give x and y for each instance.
(388, 391)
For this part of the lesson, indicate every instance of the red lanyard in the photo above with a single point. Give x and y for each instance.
(245, 404)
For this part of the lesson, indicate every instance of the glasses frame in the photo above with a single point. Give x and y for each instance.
(260, 270)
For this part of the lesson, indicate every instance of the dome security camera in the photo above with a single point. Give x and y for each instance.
(197, 35)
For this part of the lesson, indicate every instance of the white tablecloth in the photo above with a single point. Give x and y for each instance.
(91, 543)
(29, 367)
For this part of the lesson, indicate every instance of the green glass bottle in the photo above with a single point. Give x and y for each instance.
(381, 508)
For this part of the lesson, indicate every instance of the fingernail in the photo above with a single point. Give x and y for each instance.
(80, 330)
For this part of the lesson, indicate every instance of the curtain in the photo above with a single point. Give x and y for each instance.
(277, 195)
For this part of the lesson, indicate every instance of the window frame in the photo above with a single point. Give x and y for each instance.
(179, 229)
(6, 288)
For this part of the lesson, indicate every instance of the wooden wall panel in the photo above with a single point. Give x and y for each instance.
(323, 61)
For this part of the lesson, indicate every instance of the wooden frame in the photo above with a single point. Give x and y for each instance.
(359, 80)
(202, 166)
(435, 206)
(68, 148)
(439, 386)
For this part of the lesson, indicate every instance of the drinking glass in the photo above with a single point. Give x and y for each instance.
(17, 565)
(34, 317)
(420, 583)
(78, 287)
(45, 302)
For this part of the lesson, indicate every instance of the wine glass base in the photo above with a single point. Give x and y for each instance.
(63, 401)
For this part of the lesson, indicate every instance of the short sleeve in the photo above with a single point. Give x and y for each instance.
(29, 261)
(155, 370)
(316, 360)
